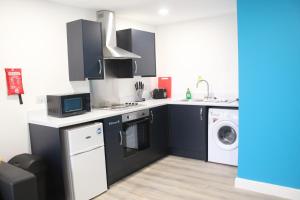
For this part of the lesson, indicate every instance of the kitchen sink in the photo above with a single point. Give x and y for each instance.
(210, 100)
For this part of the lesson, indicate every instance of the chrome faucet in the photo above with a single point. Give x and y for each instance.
(207, 84)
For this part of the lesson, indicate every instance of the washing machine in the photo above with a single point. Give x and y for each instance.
(223, 136)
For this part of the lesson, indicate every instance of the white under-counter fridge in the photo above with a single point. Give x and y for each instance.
(84, 166)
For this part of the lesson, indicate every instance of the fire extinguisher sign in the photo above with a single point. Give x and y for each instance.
(14, 82)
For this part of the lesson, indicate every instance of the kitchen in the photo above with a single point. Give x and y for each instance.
(195, 41)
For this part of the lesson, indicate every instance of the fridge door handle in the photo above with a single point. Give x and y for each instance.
(85, 150)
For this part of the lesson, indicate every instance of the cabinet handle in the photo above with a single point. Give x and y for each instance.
(100, 65)
(136, 67)
(201, 114)
(121, 138)
(152, 117)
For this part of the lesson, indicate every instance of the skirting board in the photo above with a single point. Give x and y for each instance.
(267, 188)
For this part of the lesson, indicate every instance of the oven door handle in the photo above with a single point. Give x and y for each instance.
(131, 123)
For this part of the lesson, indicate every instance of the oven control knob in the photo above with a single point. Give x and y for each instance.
(127, 117)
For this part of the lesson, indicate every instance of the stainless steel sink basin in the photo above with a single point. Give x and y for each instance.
(210, 100)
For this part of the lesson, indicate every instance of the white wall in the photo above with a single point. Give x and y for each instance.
(206, 47)
(33, 37)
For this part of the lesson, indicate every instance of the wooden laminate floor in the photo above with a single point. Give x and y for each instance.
(176, 178)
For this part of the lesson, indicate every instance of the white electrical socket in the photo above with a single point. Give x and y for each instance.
(41, 99)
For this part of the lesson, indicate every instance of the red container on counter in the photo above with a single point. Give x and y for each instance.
(166, 83)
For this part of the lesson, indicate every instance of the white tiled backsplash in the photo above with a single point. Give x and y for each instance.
(127, 90)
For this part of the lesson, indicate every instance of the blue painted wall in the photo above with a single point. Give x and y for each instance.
(269, 73)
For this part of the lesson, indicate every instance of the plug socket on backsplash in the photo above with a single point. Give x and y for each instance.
(41, 99)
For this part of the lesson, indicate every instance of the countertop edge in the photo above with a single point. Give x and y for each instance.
(41, 118)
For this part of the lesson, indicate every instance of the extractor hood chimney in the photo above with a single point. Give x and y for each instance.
(109, 37)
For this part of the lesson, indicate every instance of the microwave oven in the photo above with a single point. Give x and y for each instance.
(68, 104)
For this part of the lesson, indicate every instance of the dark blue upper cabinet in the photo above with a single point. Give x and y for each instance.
(141, 43)
(85, 50)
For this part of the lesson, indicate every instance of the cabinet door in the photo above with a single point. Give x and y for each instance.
(143, 44)
(188, 131)
(159, 132)
(124, 68)
(113, 149)
(85, 53)
(92, 50)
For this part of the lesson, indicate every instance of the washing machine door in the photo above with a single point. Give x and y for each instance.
(225, 135)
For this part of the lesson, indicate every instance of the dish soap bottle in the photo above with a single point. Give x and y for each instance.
(188, 94)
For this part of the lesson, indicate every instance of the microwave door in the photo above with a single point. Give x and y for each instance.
(72, 105)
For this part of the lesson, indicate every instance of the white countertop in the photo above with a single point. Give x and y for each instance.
(41, 117)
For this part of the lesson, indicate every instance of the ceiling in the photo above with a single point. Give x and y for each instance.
(146, 11)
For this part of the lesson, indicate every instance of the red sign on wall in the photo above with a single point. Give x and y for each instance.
(14, 81)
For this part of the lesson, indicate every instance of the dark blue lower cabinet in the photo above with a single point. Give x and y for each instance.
(115, 162)
(159, 132)
(188, 131)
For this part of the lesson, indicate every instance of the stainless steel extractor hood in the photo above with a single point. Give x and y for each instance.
(109, 38)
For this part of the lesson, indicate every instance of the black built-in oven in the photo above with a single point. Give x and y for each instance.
(135, 132)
